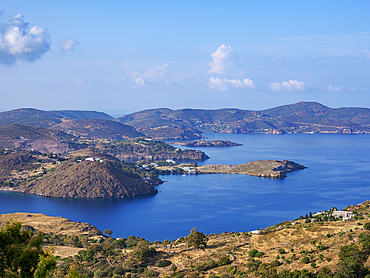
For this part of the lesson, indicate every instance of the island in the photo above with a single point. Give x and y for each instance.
(211, 143)
(274, 169)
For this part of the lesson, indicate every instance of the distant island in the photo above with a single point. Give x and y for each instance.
(203, 143)
(189, 124)
(301, 117)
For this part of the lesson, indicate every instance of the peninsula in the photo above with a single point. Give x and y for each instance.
(203, 143)
(274, 169)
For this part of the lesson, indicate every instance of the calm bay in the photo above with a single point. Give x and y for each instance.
(338, 174)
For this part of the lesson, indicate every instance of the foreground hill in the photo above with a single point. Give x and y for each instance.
(83, 174)
(313, 246)
(306, 117)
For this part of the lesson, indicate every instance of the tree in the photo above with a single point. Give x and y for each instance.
(351, 262)
(21, 254)
(142, 252)
(196, 239)
(108, 232)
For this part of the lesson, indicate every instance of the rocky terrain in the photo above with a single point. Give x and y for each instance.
(273, 169)
(147, 149)
(203, 143)
(41, 139)
(313, 246)
(50, 225)
(82, 174)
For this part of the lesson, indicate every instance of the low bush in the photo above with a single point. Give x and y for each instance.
(224, 261)
(152, 273)
(164, 263)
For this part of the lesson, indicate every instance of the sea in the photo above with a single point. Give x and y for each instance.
(337, 175)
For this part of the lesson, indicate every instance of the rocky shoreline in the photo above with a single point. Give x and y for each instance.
(273, 169)
(212, 143)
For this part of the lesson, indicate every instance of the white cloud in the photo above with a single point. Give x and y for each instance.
(156, 71)
(153, 74)
(291, 85)
(68, 44)
(16, 42)
(139, 81)
(330, 88)
(224, 84)
(79, 81)
(224, 59)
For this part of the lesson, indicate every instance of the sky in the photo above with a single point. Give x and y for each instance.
(124, 56)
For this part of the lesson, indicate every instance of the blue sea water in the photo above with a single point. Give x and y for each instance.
(338, 174)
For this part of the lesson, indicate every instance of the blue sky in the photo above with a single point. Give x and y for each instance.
(124, 56)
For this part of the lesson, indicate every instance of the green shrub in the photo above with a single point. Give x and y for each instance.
(259, 254)
(224, 275)
(164, 263)
(211, 264)
(224, 261)
(305, 260)
(212, 276)
(253, 252)
(367, 226)
(119, 270)
(281, 251)
(152, 273)
(275, 263)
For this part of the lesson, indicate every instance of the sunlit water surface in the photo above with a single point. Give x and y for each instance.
(338, 174)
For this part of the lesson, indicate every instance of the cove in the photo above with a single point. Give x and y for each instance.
(337, 175)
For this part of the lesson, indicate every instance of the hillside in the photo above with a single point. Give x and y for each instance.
(302, 117)
(83, 174)
(97, 129)
(317, 245)
(56, 114)
(203, 143)
(147, 149)
(43, 140)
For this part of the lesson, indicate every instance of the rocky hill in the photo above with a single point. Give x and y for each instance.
(97, 129)
(83, 174)
(306, 117)
(84, 124)
(24, 113)
(43, 140)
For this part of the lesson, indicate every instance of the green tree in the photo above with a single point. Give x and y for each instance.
(142, 252)
(108, 232)
(21, 254)
(196, 239)
(351, 262)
